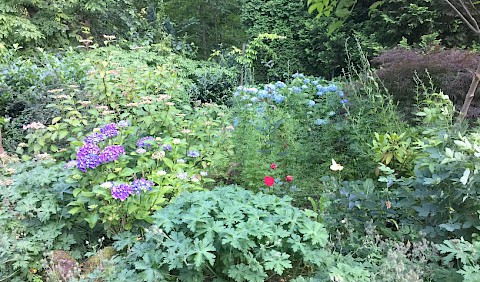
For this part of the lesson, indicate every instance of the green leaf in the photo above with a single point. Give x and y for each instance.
(168, 162)
(464, 178)
(126, 172)
(277, 261)
(56, 119)
(92, 219)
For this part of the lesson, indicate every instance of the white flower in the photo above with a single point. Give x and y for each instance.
(335, 166)
(161, 172)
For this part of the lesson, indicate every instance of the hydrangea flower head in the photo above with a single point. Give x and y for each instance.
(278, 98)
(193, 154)
(123, 124)
(145, 142)
(88, 161)
(280, 84)
(70, 164)
(121, 191)
(95, 138)
(296, 89)
(139, 185)
(111, 153)
(88, 148)
(110, 130)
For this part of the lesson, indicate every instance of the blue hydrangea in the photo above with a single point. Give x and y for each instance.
(193, 154)
(139, 185)
(344, 101)
(269, 87)
(306, 81)
(341, 94)
(332, 88)
(304, 87)
(300, 75)
(262, 94)
(254, 99)
(311, 103)
(278, 98)
(280, 84)
(297, 89)
(315, 82)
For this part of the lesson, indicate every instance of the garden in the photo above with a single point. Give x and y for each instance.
(130, 151)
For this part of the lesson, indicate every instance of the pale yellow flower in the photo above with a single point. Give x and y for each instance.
(335, 166)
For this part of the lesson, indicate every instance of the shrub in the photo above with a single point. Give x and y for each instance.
(226, 233)
(28, 86)
(34, 221)
(450, 70)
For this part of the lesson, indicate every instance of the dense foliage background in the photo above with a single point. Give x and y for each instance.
(239, 140)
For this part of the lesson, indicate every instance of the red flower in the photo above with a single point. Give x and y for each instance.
(273, 166)
(289, 178)
(269, 181)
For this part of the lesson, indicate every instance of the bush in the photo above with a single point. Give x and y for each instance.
(27, 87)
(450, 70)
(227, 233)
(34, 221)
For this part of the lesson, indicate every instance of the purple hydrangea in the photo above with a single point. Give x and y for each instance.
(121, 191)
(88, 161)
(193, 154)
(111, 153)
(167, 147)
(95, 137)
(110, 130)
(139, 185)
(145, 142)
(88, 148)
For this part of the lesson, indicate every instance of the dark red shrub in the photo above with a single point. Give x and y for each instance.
(450, 70)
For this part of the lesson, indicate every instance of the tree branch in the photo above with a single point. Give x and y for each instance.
(460, 14)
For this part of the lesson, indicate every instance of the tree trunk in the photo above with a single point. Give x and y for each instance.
(470, 94)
